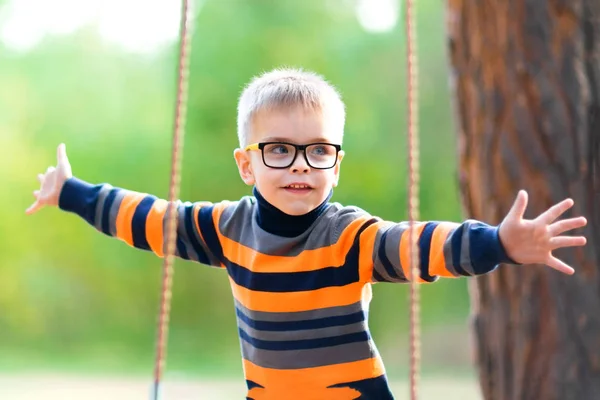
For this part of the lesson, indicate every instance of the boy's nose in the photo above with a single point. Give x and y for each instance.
(301, 170)
(300, 165)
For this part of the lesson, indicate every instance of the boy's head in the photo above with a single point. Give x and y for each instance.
(276, 111)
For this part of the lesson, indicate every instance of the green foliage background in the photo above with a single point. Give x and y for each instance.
(73, 298)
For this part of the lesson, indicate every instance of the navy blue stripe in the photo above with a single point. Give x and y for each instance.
(293, 281)
(252, 384)
(372, 388)
(378, 276)
(80, 197)
(425, 250)
(316, 323)
(182, 250)
(209, 232)
(385, 261)
(485, 248)
(108, 202)
(191, 234)
(301, 281)
(138, 223)
(304, 344)
(456, 244)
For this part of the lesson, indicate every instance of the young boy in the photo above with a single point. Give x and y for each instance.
(300, 266)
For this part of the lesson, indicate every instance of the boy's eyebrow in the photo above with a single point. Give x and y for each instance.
(280, 139)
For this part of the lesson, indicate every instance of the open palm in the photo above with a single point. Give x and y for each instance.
(51, 182)
(533, 241)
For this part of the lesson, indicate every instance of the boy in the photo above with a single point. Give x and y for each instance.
(300, 266)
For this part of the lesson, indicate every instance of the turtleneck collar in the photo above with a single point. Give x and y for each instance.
(276, 222)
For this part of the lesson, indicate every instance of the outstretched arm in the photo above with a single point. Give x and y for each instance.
(138, 219)
(447, 249)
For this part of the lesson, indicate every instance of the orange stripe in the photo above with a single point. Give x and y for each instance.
(367, 248)
(298, 301)
(437, 264)
(313, 377)
(125, 215)
(154, 226)
(218, 209)
(404, 249)
(308, 260)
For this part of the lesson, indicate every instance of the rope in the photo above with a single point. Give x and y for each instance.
(413, 196)
(178, 132)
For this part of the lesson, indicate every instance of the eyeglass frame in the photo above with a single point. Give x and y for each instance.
(298, 147)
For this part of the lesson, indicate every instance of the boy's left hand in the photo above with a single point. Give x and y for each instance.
(531, 241)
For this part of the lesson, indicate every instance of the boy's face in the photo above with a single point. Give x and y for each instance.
(299, 188)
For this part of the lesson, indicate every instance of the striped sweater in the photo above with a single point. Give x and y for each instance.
(301, 284)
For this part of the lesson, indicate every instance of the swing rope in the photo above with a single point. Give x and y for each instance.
(413, 195)
(174, 184)
(175, 179)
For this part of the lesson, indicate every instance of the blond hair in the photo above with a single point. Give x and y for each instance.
(285, 87)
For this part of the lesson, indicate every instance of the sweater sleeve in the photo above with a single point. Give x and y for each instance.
(445, 249)
(140, 220)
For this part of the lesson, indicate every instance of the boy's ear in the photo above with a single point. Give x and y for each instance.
(242, 159)
(336, 170)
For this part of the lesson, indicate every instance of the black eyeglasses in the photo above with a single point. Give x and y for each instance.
(282, 155)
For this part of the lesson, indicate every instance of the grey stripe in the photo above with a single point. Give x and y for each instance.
(181, 233)
(300, 315)
(377, 265)
(114, 211)
(448, 253)
(392, 248)
(465, 249)
(386, 277)
(104, 191)
(294, 359)
(278, 336)
(238, 223)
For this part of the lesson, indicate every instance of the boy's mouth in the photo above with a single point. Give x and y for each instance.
(298, 186)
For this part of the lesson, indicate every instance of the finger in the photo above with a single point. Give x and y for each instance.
(555, 211)
(36, 193)
(519, 206)
(33, 208)
(560, 266)
(61, 154)
(567, 241)
(41, 178)
(566, 225)
(50, 169)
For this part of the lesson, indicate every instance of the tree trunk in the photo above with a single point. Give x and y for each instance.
(525, 79)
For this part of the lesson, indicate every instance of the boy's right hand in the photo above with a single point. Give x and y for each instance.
(51, 182)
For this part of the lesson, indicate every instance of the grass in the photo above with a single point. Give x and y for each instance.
(66, 387)
(125, 372)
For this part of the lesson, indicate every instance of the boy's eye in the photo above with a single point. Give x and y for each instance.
(277, 149)
(320, 150)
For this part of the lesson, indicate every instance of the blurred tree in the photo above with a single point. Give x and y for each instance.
(525, 77)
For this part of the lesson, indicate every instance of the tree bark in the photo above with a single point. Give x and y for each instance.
(525, 77)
